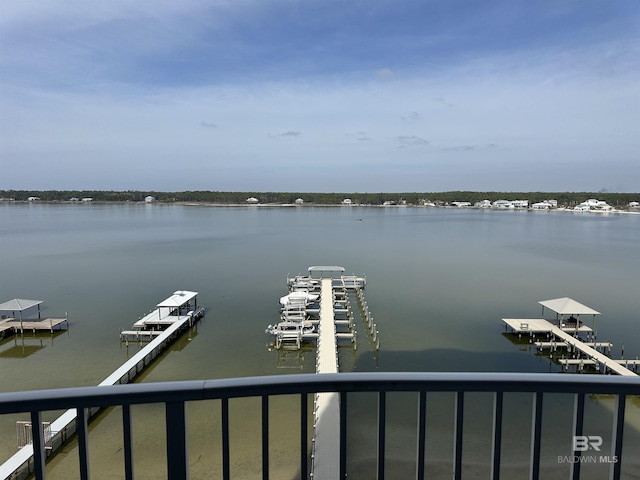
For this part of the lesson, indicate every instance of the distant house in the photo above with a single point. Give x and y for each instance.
(520, 203)
(483, 204)
(33, 199)
(502, 204)
(594, 205)
(541, 206)
(299, 201)
(87, 199)
(634, 205)
(461, 204)
(252, 200)
(346, 201)
(149, 199)
(74, 199)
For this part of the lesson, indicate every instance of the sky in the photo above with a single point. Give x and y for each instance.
(324, 96)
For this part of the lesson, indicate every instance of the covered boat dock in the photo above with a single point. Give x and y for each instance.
(565, 333)
(567, 306)
(11, 324)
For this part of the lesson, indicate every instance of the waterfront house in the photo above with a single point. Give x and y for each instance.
(541, 206)
(593, 205)
(502, 204)
(520, 203)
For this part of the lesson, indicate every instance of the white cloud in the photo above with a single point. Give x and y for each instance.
(547, 107)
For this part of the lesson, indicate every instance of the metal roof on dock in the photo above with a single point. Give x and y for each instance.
(568, 306)
(178, 299)
(18, 305)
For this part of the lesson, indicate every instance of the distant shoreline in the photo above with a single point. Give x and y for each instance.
(614, 211)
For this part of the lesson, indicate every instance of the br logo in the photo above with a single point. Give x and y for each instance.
(582, 443)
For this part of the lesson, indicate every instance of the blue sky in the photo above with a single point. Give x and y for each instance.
(349, 96)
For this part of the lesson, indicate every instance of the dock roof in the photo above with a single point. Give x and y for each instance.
(178, 299)
(568, 306)
(18, 304)
(326, 271)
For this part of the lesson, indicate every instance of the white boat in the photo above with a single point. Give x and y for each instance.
(298, 297)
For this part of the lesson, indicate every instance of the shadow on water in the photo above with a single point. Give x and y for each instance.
(22, 346)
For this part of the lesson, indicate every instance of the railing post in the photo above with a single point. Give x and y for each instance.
(458, 430)
(83, 442)
(225, 438)
(497, 434)
(303, 435)
(128, 444)
(536, 435)
(422, 418)
(177, 461)
(265, 437)
(382, 419)
(578, 422)
(38, 445)
(343, 435)
(616, 437)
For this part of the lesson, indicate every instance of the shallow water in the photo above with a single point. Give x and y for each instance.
(438, 283)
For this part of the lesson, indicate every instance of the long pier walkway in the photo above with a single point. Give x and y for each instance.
(65, 425)
(326, 446)
(533, 326)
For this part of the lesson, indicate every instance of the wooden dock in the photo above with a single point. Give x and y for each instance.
(561, 336)
(13, 324)
(34, 325)
(65, 425)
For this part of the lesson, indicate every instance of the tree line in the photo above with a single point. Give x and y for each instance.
(228, 198)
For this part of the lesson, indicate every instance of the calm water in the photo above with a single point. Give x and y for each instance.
(439, 282)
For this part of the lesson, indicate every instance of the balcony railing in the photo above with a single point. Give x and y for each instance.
(175, 395)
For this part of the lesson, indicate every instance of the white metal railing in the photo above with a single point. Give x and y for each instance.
(175, 395)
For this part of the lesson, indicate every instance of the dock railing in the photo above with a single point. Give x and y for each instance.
(174, 396)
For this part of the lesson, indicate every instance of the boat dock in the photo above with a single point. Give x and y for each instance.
(318, 308)
(565, 334)
(183, 315)
(10, 325)
(326, 436)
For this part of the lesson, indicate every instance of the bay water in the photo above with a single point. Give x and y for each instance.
(439, 280)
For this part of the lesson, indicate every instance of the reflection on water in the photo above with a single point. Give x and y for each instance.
(438, 283)
(23, 345)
